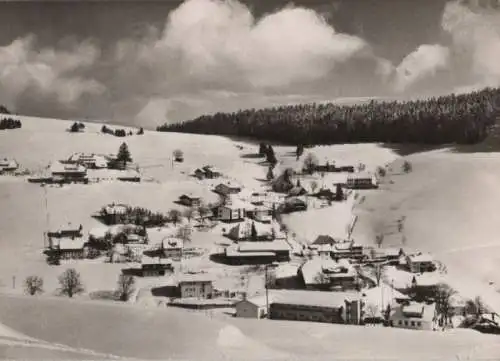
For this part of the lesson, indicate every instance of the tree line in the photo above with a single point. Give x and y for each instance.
(460, 119)
(120, 132)
(10, 123)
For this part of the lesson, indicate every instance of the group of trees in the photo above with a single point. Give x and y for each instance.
(461, 119)
(71, 284)
(77, 127)
(267, 151)
(10, 123)
(120, 132)
(4, 110)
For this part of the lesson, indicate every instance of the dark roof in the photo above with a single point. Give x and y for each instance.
(324, 239)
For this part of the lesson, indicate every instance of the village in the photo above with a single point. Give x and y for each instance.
(233, 254)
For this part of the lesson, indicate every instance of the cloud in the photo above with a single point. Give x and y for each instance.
(47, 72)
(475, 35)
(425, 61)
(212, 45)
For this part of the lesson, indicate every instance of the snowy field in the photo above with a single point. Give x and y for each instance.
(450, 204)
(181, 334)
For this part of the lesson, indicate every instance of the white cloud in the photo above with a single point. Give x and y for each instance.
(425, 61)
(476, 38)
(47, 71)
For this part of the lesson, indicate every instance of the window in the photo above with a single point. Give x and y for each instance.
(400, 322)
(406, 323)
(413, 323)
(419, 323)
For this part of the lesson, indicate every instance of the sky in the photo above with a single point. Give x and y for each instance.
(150, 62)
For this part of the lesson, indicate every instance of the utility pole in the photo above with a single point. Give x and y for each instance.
(267, 294)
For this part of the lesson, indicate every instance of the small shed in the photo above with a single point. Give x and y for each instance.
(255, 307)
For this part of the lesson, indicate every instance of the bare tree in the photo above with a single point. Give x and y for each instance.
(70, 282)
(189, 214)
(185, 233)
(310, 162)
(126, 287)
(371, 311)
(406, 167)
(33, 285)
(379, 239)
(314, 186)
(442, 296)
(174, 215)
(476, 307)
(381, 172)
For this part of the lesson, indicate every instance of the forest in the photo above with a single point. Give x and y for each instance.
(451, 119)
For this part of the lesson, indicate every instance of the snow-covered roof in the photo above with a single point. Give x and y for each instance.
(68, 244)
(428, 279)
(314, 298)
(98, 232)
(146, 260)
(383, 293)
(421, 257)
(195, 277)
(261, 300)
(190, 195)
(419, 311)
(116, 209)
(276, 245)
(244, 229)
(58, 167)
(360, 175)
(286, 270)
(157, 235)
(234, 203)
(328, 267)
(8, 163)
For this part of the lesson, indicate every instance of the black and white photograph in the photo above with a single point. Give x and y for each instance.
(250, 180)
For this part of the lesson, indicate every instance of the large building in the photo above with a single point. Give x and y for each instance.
(172, 248)
(243, 232)
(67, 173)
(233, 210)
(362, 180)
(197, 285)
(258, 252)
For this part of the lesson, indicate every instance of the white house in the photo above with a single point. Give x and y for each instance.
(362, 180)
(232, 210)
(420, 262)
(255, 307)
(416, 316)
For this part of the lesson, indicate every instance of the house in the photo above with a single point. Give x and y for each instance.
(243, 232)
(381, 297)
(347, 249)
(114, 213)
(416, 316)
(391, 255)
(419, 263)
(227, 188)
(259, 213)
(172, 248)
(362, 180)
(92, 161)
(66, 173)
(68, 247)
(198, 285)
(233, 210)
(258, 252)
(294, 204)
(316, 306)
(154, 266)
(255, 307)
(190, 200)
(211, 172)
(327, 274)
(325, 194)
(8, 165)
(324, 239)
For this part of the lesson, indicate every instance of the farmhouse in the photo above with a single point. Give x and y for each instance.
(258, 252)
(68, 230)
(198, 285)
(8, 165)
(114, 213)
(66, 173)
(68, 247)
(419, 263)
(328, 274)
(316, 306)
(391, 255)
(362, 180)
(154, 266)
(243, 232)
(227, 188)
(347, 249)
(190, 200)
(416, 316)
(172, 248)
(208, 172)
(92, 161)
(259, 213)
(233, 210)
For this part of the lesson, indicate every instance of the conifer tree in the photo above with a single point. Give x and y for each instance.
(123, 154)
